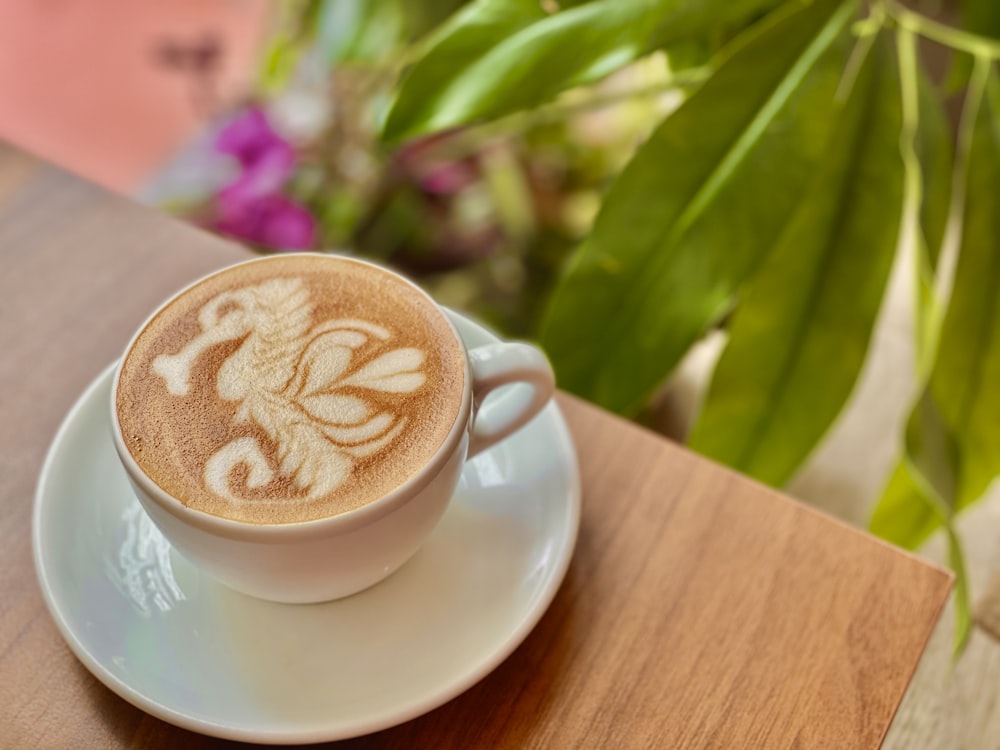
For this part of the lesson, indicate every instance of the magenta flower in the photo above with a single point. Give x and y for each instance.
(417, 162)
(252, 206)
(271, 220)
(442, 178)
(267, 176)
(249, 137)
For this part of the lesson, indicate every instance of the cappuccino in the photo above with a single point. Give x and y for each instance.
(290, 388)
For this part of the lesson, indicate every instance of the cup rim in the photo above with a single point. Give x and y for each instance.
(339, 522)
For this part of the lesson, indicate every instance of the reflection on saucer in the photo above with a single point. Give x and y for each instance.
(487, 471)
(142, 568)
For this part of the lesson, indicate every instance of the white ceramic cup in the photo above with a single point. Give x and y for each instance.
(336, 556)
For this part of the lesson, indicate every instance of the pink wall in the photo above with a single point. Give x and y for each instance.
(84, 83)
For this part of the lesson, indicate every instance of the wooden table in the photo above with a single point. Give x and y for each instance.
(701, 610)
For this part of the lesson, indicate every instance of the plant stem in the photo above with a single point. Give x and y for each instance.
(957, 39)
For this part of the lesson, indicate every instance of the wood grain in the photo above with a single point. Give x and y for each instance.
(701, 610)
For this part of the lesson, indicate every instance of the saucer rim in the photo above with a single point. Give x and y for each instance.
(489, 661)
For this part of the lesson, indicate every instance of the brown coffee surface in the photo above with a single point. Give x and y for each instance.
(290, 388)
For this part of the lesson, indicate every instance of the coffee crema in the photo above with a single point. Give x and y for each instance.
(290, 388)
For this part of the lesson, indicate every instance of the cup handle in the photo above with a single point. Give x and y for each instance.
(506, 364)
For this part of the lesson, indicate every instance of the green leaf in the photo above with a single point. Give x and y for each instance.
(936, 163)
(463, 40)
(697, 208)
(981, 17)
(359, 30)
(934, 173)
(903, 515)
(799, 338)
(924, 492)
(919, 496)
(424, 16)
(953, 436)
(924, 481)
(963, 601)
(292, 22)
(908, 486)
(499, 56)
(926, 148)
(966, 380)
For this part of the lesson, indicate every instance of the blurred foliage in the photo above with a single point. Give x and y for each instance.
(618, 178)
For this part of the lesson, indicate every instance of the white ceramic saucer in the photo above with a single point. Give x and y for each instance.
(190, 651)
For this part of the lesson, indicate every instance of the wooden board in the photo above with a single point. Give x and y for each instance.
(701, 610)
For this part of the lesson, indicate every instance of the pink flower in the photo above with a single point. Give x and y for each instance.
(249, 137)
(266, 176)
(417, 161)
(272, 221)
(267, 160)
(443, 178)
(252, 206)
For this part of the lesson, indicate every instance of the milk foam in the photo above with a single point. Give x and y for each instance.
(290, 378)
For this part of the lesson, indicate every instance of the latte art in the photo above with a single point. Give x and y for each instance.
(290, 396)
(295, 381)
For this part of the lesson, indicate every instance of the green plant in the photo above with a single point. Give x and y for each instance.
(472, 144)
(771, 203)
